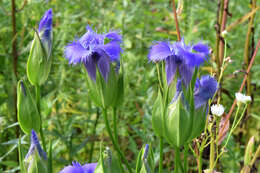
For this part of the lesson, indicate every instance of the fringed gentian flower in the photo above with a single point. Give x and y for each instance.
(92, 50)
(77, 168)
(204, 89)
(179, 56)
(36, 158)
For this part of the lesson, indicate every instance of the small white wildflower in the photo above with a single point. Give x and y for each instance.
(224, 33)
(241, 98)
(217, 110)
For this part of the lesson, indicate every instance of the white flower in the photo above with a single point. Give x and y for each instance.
(217, 110)
(241, 98)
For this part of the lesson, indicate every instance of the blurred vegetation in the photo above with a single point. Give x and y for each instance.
(69, 115)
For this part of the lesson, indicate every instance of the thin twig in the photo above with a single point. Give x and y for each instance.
(223, 27)
(247, 54)
(176, 20)
(22, 7)
(241, 88)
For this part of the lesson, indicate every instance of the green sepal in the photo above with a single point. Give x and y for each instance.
(107, 93)
(145, 165)
(39, 61)
(108, 163)
(27, 112)
(157, 115)
(178, 123)
(35, 164)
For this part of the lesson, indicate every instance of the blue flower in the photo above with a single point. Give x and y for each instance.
(93, 51)
(35, 147)
(179, 56)
(77, 168)
(45, 27)
(204, 89)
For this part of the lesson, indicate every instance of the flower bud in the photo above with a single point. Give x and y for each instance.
(108, 163)
(158, 116)
(36, 159)
(39, 61)
(27, 112)
(178, 123)
(145, 160)
(249, 151)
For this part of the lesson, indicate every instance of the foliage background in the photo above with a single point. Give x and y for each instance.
(68, 113)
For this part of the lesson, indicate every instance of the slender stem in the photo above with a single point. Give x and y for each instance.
(15, 59)
(246, 51)
(176, 159)
(176, 20)
(234, 125)
(161, 156)
(94, 134)
(115, 132)
(38, 103)
(200, 160)
(122, 156)
(241, 88)
(115, 125)
(186, 148)
(212, 152)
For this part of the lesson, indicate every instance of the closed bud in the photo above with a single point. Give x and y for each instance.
(178, 123)
(145, 160)
(39, 61)
(158, 116)
(27, 112)
(249, 151)
(36, 159)
(108, 163)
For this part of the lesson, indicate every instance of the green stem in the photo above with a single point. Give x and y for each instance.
(113, 141)
(161, 156)
(234, 125)
(186, 158)
(38, 103)
(177, 159)
(200, 160)
(116, 134)
(115, 125)
(94, 134)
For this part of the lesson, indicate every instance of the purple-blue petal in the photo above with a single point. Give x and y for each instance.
(76, 53)
(114, 36)
(160, 51)
(35, 147)
(186, 73)
(113, 50)
(90, 167)
(103, 64)
(207, 88)
(90, 65)
(170, 69)
(202, 48)
(74, 168)
(45, 24)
